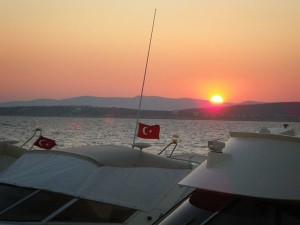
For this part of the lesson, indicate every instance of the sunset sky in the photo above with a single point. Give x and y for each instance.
(241, 50)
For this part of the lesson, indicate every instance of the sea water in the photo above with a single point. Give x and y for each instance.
(67, 132)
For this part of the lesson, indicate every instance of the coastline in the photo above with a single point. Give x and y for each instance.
(285, 112)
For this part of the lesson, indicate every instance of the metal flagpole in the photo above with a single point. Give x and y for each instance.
(140, 103)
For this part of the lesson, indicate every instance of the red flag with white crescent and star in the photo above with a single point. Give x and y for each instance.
(148, 132)
(45, 143)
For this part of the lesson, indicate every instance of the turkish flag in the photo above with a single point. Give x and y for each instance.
(45, 143)
(148, 132)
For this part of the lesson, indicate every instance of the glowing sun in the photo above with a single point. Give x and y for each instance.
(216, 99)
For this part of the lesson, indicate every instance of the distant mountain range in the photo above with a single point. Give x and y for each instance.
(148, 103)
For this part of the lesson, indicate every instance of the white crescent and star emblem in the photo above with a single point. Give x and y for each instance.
(42, 144)
(145, 131)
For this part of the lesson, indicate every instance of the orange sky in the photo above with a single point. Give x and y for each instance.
(242, 50)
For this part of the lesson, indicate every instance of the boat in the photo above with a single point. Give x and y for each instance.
(253, 178)
(92, 184)
(9, 153)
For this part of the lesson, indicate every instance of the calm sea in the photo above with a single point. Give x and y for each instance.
(193, 134)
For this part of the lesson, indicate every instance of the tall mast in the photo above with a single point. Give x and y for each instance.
(145, 72)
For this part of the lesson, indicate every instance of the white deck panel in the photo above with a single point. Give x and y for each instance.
(136, 187)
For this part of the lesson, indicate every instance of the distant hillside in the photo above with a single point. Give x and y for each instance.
(251, 103)
(148, 103)
(259, 112)
(270, 111)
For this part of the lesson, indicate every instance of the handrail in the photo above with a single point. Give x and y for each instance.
(173, 142)
(35, 131)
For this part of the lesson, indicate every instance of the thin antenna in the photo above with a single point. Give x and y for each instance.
(141, 97)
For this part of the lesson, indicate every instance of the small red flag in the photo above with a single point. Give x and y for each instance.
(148, 132)
(45, 143)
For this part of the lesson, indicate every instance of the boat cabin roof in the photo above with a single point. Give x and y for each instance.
(118, 156)
(111, 174)
(252, 165)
